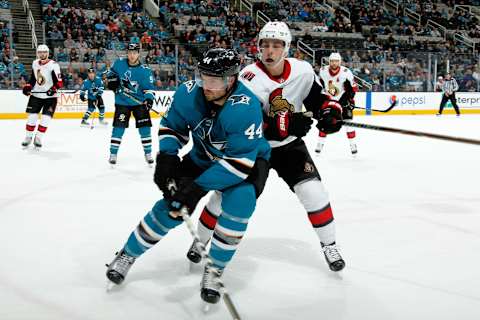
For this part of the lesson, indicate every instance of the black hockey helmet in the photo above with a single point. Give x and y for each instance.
(219, 62)
(91, 70)
(133, 46)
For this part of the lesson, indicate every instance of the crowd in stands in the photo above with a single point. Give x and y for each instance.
(80, 37)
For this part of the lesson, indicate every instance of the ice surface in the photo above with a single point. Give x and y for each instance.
(407, 211)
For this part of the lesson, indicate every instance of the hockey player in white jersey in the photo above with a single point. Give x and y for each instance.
(283, 85)
(339, 83)
(42, 89)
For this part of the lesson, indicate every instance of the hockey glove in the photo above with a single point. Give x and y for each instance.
(27, 89)
(329, 117)
(166, 172)
(113, 82)
(286, 124)
(259, 175)
(50, 92)
(83, 98)
(187, 196)
(148, 103)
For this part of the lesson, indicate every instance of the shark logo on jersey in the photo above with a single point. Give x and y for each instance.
(203, 131)
(239, 98)
(129, 85)
(190, 85)
(278, 103)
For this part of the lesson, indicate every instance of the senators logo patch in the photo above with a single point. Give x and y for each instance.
(40, 78)
(278, 103)
(332, 89)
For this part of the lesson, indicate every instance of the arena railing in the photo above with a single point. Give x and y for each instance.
(31, 23)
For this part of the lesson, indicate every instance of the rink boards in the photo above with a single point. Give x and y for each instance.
(70, 106)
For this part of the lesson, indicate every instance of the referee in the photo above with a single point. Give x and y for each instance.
(449, 87)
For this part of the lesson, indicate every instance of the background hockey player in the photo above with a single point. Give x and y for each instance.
(92, 90)
(338, 82)
(132, 83)
(283, 85)
(225, 120)
(42, 88)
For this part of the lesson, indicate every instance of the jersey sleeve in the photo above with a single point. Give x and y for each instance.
(315, 97)
(101, 86)
(244, 137)
(173, 131)
(350, 86)
(57, 76)
(84, 88)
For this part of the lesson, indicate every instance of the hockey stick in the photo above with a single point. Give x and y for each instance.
(394, 103)
(92, 125)
(203, 252)
(412, 133)
(137, 100)
(63, 91)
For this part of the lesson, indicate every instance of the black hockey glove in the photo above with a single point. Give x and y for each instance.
(148, 103)
(330, 117)
(83, 98)
(165, 172)
(27, 89)
(188, 196)
(286, 124)
(259, 175)
(113, 82)
(50, 92)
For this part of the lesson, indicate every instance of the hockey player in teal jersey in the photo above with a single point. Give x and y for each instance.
(91, 91)
(132, 83)
(229, 154)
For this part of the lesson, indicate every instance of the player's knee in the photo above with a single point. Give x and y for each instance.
(118, 132)
(214, 204)
(239, 200)
(312, 194)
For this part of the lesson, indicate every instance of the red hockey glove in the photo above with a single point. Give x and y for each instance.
(286, 124)
(330, 117)
(27, 89)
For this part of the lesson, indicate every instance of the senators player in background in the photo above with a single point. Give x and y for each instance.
(338, 82)
(42, 89)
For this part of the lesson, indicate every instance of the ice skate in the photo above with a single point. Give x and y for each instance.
(103, 122)
(37, 142)
(211, 284)
(118, 269)
(194, 256)
(333, 257)
(112, 159)
(149, 159)
(26, 142)
(319, 147)
(84, 123)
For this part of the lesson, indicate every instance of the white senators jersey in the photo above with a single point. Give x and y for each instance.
(283, 93)
(46, 75)
(334, 82)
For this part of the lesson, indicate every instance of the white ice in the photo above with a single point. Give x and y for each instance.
(407, 211)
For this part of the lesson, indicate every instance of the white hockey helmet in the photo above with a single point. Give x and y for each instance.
(335, 56)
(276, 30)
(43, 48)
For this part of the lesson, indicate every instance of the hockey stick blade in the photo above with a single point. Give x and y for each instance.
(394, 103)
(413, 133)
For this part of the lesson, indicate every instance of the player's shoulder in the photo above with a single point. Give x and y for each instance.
(243, 104)
(187, 88)
(345, 70)
(300, 66)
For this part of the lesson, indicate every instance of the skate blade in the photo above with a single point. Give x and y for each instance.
(110, 285)
(194, 267)
(206, 307)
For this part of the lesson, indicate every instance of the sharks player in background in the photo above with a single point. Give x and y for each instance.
(284, 85)
(42, 88)
(229, 153)
(92, 90)
(338, 82)
(132, 83)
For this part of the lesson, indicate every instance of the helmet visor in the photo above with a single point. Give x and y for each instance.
(209, 82)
